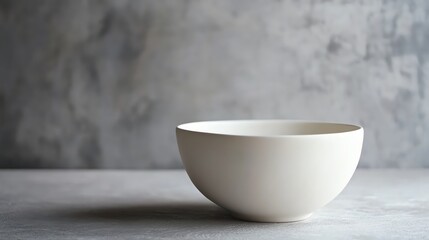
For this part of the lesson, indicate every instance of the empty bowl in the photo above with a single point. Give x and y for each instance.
(270, 170)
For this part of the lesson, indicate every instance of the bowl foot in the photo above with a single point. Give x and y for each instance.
(268, 219)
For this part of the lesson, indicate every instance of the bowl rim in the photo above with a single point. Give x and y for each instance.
(355, 128)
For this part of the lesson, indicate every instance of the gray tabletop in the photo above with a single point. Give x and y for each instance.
(377, 204)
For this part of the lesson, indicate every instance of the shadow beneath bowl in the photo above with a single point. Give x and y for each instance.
(166, 220)
(151, 212)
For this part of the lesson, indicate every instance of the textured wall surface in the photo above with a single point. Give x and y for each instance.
(102, 84)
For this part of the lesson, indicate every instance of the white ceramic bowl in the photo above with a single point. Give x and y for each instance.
(270, 170)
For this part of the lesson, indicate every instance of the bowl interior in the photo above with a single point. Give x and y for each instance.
(267, 127)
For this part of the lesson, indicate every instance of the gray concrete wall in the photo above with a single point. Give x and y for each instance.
(102, 84)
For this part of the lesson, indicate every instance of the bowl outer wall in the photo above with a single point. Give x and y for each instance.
(270, 177)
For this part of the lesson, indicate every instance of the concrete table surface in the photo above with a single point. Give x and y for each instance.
(52, 204)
